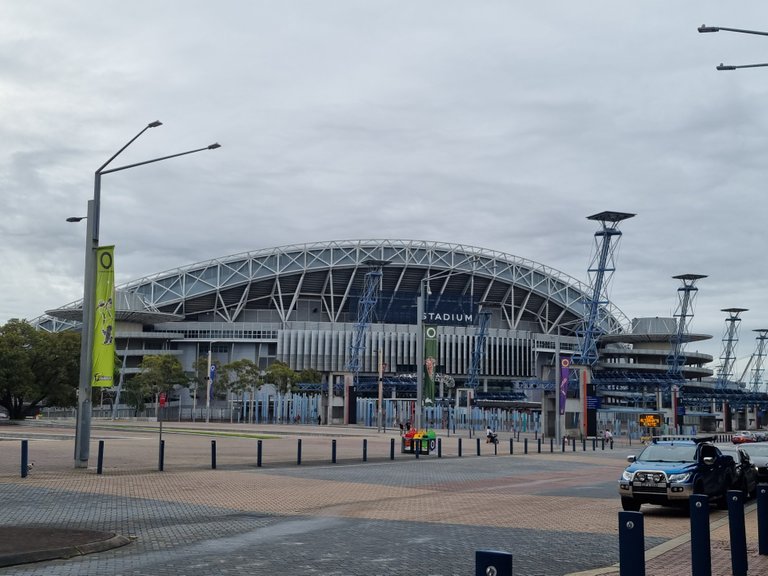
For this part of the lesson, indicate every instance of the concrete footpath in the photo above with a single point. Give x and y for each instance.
(555, 512)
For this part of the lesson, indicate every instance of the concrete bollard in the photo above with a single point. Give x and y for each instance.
(737, 529)
(631, 544)
(701, 553)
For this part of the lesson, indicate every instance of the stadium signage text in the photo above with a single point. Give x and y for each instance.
(650, 420)
(458, 318)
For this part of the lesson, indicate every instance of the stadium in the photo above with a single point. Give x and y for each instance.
(354, 311)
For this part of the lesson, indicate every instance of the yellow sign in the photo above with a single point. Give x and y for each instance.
(104, 319)
(650, 420)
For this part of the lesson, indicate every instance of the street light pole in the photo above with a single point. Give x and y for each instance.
(704, 29)
(420, 352)
(83, 422)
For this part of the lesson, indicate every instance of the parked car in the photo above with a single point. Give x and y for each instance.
(743, 437)
(746, 474)
(668, 472)
(758, 454)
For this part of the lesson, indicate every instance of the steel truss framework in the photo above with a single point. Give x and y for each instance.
(333, 272)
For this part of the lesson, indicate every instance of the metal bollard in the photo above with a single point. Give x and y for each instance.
(365, 449)
(525, 445)
(459, 447)
(701, 552)
(439, 447)
(739, 563)
(511, 447)
(24, 458)
(594, 444)
(573, 445)
(762, 519)
(631, 544)
(564, 439)
(478, 446)
(161, 457)
(602, 444)
(298, 452)
(100, 461)
(583, 444)
(538, 445)
(213, 454)
(417, 447)
(493, 563)
(258, 454)
(333, 451)
(392, 449)
(496, 448)
(551, 445)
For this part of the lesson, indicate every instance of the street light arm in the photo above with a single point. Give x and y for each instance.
(119, 168)
(154, 124)
(704, 29)
(729, 67)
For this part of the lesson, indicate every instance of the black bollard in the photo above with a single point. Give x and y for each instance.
(701, 553)
(511, 447)
(213, 454)
(439, 447)
(493, 562)
(583, 444)
(100, 461)
(365, 450)
(258, 454)
(573, 445)
(739, 563)
(478, 446)
(538, 447)
(495, 448)
(459, 447)
(298, 452)
(392, 449)
(564, 440)
(161, 457)
(631, 544)
(24, 458)
(525, 445)
(417, 445)
(333, 451)
(602, 444)
(551, 445)
(762, 519)
(594, 444)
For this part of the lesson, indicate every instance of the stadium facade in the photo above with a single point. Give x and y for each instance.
(302, 304)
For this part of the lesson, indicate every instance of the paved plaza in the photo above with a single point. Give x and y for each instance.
(556, 513)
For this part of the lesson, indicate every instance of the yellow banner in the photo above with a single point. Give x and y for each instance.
(103, 368)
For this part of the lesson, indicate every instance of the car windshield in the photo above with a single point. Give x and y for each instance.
(669, 453)
(756, 450)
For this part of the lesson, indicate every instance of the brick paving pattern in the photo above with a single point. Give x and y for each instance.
(555, 512)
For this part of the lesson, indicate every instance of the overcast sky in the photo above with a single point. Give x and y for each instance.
(497, 124)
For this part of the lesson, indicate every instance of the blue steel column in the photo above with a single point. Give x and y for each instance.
(600, 270)
(730, 339)
(686, 294)
(484, 317)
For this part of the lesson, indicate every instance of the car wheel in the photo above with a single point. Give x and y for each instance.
(630, 504)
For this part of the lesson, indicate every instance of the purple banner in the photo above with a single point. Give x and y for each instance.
(565, 364)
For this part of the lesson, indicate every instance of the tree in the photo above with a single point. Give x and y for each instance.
(310, 376)
(37, 368)
(281, 375)
(160, 373)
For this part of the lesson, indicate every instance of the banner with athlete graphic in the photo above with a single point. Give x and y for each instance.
(430, 361)
(103, 367)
